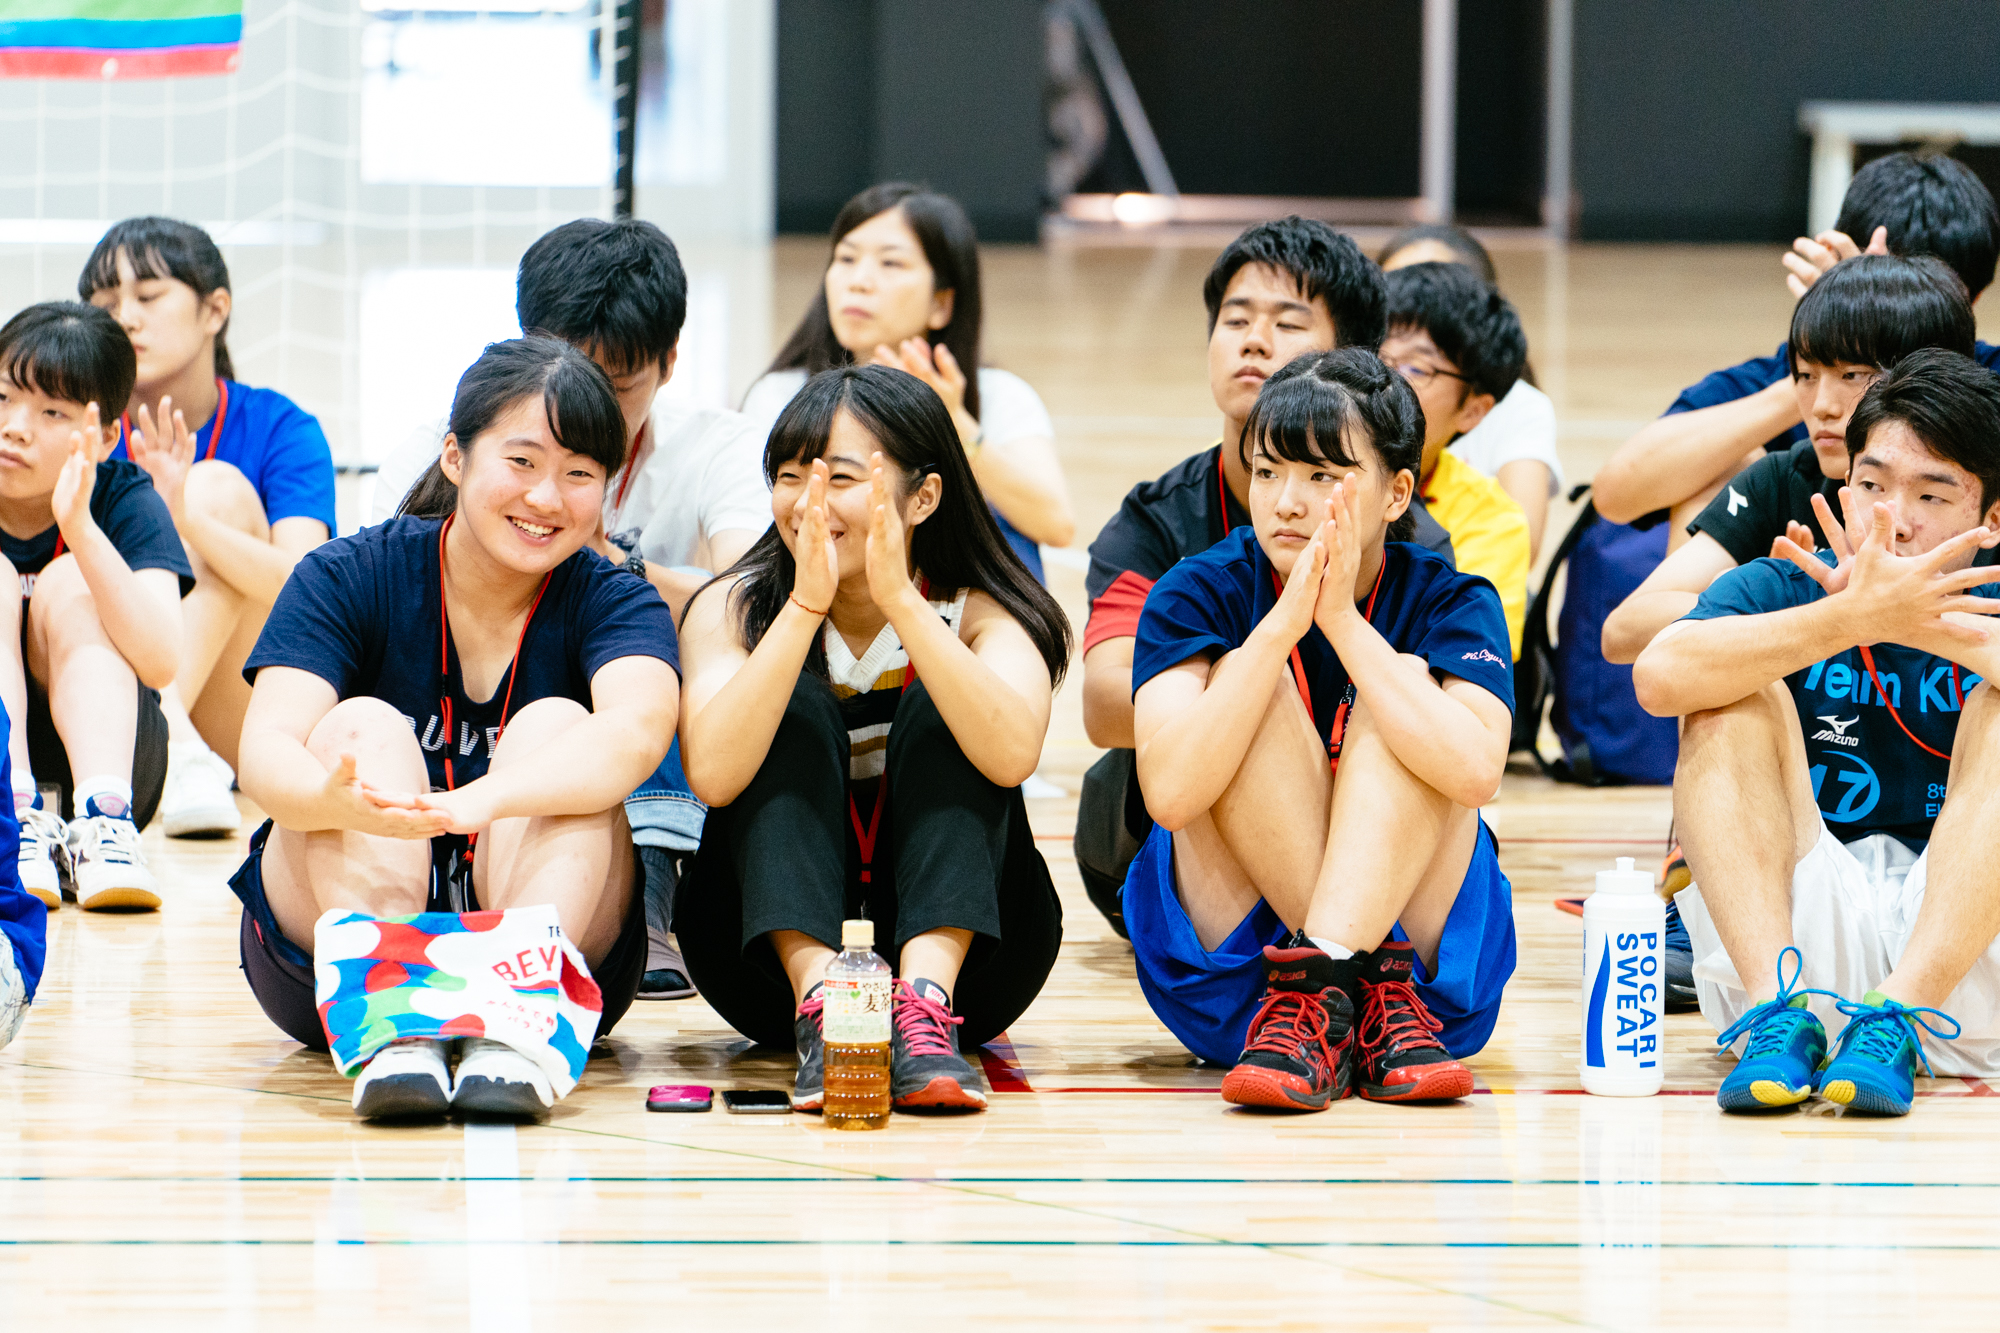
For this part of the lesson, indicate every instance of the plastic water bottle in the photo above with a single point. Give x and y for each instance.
(858, 993)
(1624, 972)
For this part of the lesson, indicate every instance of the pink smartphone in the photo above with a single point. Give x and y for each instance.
(680, 1097)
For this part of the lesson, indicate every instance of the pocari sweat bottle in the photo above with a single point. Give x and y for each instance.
(1624, 1000)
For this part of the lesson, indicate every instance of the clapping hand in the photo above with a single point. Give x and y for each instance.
(166, 453)
(817, 565)
(78, 478)
(888, 557)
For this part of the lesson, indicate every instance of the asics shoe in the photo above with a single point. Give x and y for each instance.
(809, 1031)
(44, 862)
(1677, 953)
(196, 802)
(1786, 1048)
(1400, 1056)
(495, 1079)
(404, 1079)
(925, 1069)
(1873, 1069)
(1299, 1052)
(108, 866)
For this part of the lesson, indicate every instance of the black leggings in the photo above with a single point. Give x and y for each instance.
(954, 850)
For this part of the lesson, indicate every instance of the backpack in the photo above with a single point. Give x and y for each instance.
(1606, 737)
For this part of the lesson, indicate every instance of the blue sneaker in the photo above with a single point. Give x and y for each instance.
(1787, 1045)
(1874, 1068)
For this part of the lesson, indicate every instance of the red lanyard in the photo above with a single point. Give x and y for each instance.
(631, 469)
(215, 426)
(1337, 734)
(444, 662)
(1222, 490)
(865, 837)
(1868, 660)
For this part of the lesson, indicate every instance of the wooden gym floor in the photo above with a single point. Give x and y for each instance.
(168, 1160)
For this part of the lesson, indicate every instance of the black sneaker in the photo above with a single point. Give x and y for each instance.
(925, 1069)
(1299, 1053)
(1678, 955)
(809, 1089)
(1401, 1059)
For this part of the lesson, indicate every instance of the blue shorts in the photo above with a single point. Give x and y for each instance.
(1206, 998)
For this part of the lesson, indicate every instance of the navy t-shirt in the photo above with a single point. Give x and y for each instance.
(1209, 603)
(131, 513)
(279, 446)
(1867, 775)
(363, 614)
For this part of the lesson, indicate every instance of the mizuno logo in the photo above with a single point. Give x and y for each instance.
(1837, 735)
(1837, 724)
(1737, 500)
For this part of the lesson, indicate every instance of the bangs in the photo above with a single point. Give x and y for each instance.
(805, 427)
(583, 417)
(1294, 422)
(158, 248)
(1874, 310)
(72, 352)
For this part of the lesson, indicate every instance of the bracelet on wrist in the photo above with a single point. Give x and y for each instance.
(794, 599)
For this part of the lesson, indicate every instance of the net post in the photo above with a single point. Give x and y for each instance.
(624, 102)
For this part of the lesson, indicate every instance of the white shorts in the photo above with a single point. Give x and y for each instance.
(1853, 907)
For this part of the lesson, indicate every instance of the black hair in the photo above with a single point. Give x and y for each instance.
(957, 546)
(71, 351)
(1318, 404)
(1327, 266)
(575, 392)
(615, 289)
(1473, 325)
(162, 248)
(1932, 205)
(1949, 401)
(1458, 240)
(1873, 310)
(951, 248)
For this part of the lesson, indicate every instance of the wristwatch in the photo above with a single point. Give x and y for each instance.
(635, 563)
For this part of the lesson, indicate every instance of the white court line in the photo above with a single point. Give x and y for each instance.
(498, 1293)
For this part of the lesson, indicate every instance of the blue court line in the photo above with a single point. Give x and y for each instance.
(877, 1179)
(1197, 1244)
(121, 34)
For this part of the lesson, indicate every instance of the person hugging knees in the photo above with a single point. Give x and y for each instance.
(1321, 707)
(466, 678)
(246, 475)
(98, 632)
(1460, 345)
(1840, 766)
(866, 691)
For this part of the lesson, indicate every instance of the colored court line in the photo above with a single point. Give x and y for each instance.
(1003, 1068)
(1316, 1182)
(1200, 1243)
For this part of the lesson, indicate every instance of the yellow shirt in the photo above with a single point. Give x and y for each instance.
(1489, 533)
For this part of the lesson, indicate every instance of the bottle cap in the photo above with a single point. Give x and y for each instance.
(1625, 879)
(857, 934)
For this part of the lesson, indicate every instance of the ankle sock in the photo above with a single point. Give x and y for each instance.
(1330, 949)
(103, 796)
(26, 795)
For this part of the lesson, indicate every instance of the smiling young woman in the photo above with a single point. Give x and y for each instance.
(469, 675)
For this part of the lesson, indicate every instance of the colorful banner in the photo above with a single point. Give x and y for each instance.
(119, 39)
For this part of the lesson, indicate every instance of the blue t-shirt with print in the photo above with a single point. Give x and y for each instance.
(1209, 603)
(1868, 775)
(363, 614)
(278, 446)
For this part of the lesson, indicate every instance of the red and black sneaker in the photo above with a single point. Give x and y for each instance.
(1401, 1060)
(1299, 1055)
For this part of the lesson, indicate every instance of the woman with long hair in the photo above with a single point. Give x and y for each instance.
(866, 690)
(902, 289)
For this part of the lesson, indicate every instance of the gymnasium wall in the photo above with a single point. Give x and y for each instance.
(1686, 111)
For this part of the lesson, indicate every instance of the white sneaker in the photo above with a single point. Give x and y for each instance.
(496, 1079)
(109, 868)
(196, 802)
(405, 1078)
(13, 994)
(44, 856)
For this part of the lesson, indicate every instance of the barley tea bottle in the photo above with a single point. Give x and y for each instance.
(858, 994)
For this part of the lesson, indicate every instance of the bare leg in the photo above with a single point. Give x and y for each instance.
(13, 670)
(93, 693)
(1745, 815)
(306, 874)
(803, 958)
(582, 864)
(213, 614)
(218, 712)
(1961, 913)
(936, 955)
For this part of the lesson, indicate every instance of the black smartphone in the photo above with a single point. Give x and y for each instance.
(679, 1097)
(745, 1102)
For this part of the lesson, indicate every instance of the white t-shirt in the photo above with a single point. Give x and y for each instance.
(1521, 425)
(702, 473)
(1008, 408)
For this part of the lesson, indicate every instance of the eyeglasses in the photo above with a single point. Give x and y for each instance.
(1419, 376)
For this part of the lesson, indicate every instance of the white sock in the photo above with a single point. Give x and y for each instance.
(24, 790)
(112, 795)
(1330, 949)
(188, 748)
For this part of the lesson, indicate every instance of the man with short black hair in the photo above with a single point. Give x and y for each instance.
(1840, 766)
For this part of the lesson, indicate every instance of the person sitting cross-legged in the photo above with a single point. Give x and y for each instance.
(1320, 708)
(1837, 732)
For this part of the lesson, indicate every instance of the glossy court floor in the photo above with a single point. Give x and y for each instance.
(168, 1160)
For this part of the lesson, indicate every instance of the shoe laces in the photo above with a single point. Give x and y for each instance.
(42, 828)
(1288, 1021)
(1393, 1018)
(1772, 1023)
(814, 1007)
(924, 1024)
(1877, 1031)
(107, 839)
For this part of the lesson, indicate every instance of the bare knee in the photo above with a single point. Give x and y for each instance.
(535, 724)
(370, 730)
(219, 491)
